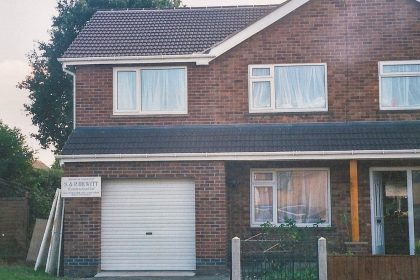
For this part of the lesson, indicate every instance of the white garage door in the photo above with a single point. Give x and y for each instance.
(148, 225)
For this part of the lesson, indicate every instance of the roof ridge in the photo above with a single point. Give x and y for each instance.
(187, 8)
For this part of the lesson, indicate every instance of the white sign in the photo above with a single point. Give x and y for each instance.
(81, 187)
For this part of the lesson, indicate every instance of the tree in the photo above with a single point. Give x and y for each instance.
(50, 89)
(15, 156)
(17, 177)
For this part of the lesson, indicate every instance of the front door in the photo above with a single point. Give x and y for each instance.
(395, 200)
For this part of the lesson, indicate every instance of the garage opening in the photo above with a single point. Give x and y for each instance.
(148, 225)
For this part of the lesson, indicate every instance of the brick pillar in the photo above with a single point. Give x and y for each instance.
(82, 236)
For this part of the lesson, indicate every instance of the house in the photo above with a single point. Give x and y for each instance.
(204, 123)
(37, 164)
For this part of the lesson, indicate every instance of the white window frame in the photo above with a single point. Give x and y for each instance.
(273, 184)
(272, 108)
(138, 110)
(381, 75)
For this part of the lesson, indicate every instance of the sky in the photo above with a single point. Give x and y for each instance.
(22, 24)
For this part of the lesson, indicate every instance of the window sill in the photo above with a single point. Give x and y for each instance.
(257, 114)
(297, 225)
(397, 111)
(157, 115)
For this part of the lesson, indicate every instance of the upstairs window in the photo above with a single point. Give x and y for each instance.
(154, 90)
(288, 88)
(399, 85)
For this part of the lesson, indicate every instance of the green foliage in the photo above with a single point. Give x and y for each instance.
(303, 273)
(42, 185)
(50, 90)
(18, 272)
(15, 156)
(417, 248)
(287, 232)
(17, 177)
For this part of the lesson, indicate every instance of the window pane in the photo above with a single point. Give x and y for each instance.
(163, 89)
(300, 87)
(262, 176)
(260, 72)
(302, 196)
(263, 203)
(401, 68)
(261, 94)
(400, 91)
(126, 92)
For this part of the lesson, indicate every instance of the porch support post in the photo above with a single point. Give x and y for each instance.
(354, 198)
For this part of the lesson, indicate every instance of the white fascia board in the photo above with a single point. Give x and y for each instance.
(199, 59)
(287, 156)
(256, 27)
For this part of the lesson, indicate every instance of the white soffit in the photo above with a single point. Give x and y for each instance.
(247, 156)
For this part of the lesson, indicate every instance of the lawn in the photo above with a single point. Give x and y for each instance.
(19, 272)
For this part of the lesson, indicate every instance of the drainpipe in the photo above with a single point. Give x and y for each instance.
(74, 92)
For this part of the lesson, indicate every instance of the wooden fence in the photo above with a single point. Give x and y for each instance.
(373, 267)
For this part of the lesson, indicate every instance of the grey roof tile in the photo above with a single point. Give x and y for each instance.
(161, 32)
(244, 138)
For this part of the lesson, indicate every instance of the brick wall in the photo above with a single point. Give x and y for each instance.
(14, 218)
(83, 216)
(351, 36)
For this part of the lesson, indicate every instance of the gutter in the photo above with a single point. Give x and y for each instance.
(246, 156)
(199, 59)
(74, 92)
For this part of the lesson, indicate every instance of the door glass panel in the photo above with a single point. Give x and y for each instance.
(416, 210)
(378, 221)
(395, 211)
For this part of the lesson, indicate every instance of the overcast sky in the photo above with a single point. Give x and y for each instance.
(22, 23)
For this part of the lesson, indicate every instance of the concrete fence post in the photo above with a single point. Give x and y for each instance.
(322, 258)
(236, 258)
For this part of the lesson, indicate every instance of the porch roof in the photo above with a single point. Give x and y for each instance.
(244, 138)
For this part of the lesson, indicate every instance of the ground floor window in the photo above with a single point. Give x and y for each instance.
(298, 194)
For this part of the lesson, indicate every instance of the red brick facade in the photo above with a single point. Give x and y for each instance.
(350, 36)
(83, 216)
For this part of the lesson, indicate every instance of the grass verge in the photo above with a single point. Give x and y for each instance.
(20, 272)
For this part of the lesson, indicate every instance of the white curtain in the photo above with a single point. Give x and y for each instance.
(263, 204)
(400, 91)
(261, 94)
(163, 89)
(126, 93)
(301, 196)
(301, 86)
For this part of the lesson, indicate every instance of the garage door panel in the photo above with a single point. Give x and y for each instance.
(130, 208)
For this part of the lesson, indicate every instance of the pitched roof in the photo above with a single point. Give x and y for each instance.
(37, 164)
(244, 138)
(161, 32)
